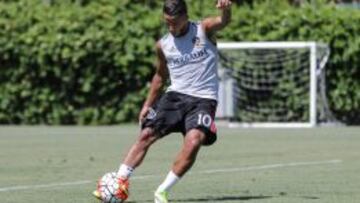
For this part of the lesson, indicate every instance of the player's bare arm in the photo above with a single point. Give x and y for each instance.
(213, 24)
(157, 82)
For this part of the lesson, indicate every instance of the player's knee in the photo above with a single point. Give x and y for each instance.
(147, 137)
(194, 139)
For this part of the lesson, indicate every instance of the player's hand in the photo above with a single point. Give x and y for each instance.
(223, 4)
(144, 111)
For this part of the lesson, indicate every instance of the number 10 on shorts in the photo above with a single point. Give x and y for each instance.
(204, 120)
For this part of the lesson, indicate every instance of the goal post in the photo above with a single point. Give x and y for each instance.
(273, 84)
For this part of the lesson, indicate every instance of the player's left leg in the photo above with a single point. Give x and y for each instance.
(184, 161)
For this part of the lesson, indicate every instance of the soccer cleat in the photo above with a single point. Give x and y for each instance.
(97, 194)
(161, 197)
(123, 190)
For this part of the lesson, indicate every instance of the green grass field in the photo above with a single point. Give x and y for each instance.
(61, 164)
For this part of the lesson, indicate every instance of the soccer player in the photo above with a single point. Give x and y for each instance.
(188, 56)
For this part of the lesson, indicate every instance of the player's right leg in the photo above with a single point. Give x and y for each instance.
(133, 159)
(138, 150)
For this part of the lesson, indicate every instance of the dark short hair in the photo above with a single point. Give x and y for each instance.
(175, 7)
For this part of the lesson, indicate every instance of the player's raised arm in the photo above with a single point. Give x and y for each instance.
(213, 24)
(157, 82)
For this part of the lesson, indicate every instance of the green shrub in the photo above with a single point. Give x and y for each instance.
(65, 63)
(89, 62)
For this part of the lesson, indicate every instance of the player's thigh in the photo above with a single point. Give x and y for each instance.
(166, 115)
(202, 118)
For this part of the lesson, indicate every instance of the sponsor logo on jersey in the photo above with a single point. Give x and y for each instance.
(193, 57)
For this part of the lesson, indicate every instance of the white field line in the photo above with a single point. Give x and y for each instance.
(271, 166)
(26, 187)
(225, 170)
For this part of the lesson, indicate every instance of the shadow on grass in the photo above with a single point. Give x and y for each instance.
(213, 199)
(224, 198)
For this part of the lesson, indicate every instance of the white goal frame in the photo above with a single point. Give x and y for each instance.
(315, 70)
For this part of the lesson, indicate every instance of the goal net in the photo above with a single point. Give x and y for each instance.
(273, 84)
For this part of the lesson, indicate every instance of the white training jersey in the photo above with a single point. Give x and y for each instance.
(192, 63)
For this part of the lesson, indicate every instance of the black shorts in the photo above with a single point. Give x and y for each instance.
(176, 112)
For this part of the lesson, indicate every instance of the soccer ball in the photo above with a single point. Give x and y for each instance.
(108, 186)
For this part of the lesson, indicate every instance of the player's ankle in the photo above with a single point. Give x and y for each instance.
(170, 180)
(125, 172)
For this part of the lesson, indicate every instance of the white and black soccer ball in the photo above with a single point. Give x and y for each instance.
(107, 186)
